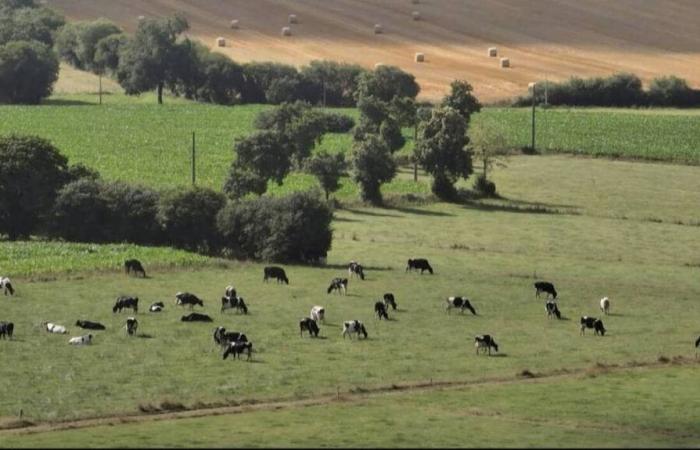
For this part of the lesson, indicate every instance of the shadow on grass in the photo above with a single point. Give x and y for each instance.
(419, 212)
(345, 267)
(144, 336)
(344, 219)
(65, 102)
(498, 355)
(369, 213)
(515, 206)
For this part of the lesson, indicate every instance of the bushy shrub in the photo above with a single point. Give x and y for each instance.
(337, 123)
(621, 90)
(188, 218)
(672, 91)
(484, 186)
(28, 71)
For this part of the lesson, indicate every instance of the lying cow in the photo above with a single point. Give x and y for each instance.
(461, 303)
(355, 269)
(185, 298)
(196, 317)
(54, 328)
(81, 340)
(238, 347)
(485, 342)
(545, 286)
(6, 328)
(380, 310)
(86, 324)
(134, 265)
(354, 326)
(592, 322)
(223, 337)
(339, 284)
(318, 313)
(605, 305)
(126, 302)
(6, 284)
(552, 309)
(419, 263)
(390, 301)
(275, 272)
(131, 325)
(308, 324)
(156, 307)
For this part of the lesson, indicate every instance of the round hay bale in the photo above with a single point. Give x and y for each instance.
(286, 31)
(234, 24)
(220, 42)
(420, 57)
(378, 28)
(493, 52)
(531, 85)
(293, 18)
(505, 63)
(378, 65)
(416, 15)
(140, 18)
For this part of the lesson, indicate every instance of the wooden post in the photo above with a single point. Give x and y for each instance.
(193, 160)
(533, 119)
(100, 89)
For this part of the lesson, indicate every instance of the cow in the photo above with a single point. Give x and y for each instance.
(552, 309)
(459, 302)
(355, 268)
(592, 322)
(380, 310)
(390, 301)
(223, 337)
(309, 325)
(605, 305)
(196, 317)
(54, 328)
(86, 324)
(81, 340)
(419, 263)
(485, 342)
(156, 307)
(131, 325)
(6, 284)
(339, 284)
(238, 347)
(6, 328)
(126, 302)
(185, 298)
(318, 313)
(545, 286)
(697, 346)
(275, 272)
(134, 265)
(354, 326)
(230, 291)
(234, 302)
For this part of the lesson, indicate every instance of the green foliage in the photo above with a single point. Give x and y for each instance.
(385, 83)
(372, 166)
(621, 90)
(390, 133)
(462, 100)
(262, 77)
(330, 81)
(188, 218)
(77, 44)
(485, 186)
(672, 91)
(261, 156)
(328, 168)
(107, 52)
(23, 21)
(337, 123)
(28, 71)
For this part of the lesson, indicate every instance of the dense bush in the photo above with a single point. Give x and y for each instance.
(188, 218)
(485, 186)
(672, 91)
(25, 21)
(28, 71)
(337, 123)
(76, 43)
(330, 83)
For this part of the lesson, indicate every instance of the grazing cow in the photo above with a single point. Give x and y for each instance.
(355, 268)
(485, 342)
(309, 325)
(419, 263)
(126, 302)
(380, 310)
(389, 301)
(552, 309)
(131, 325)
(605, 305)
(81, 340)
(238, 347)
(318, 313)
(156, 307)
(544, 286)
(6, 328)
(6, 284)
(277, 273)
(339, 284)
(234, 302)
(592, 322)
(697, 346)
(196, 317)
(223, 337)
(86, 324)
(134, 265)
(459, 302)
(54, 328)
(354, 326)
(185, 298)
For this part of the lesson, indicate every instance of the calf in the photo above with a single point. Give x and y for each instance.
(81, 340)
(238, 347)
(6, 328)
(592, 322)
(156, 307)
(54, 328)
(6, 284)
(485, 342)
(605, 305)
(354, 326)
(185, 298)
(544, 286)
(390, 301)
(552, 309)
(459, 302)
(234, 302)
(275, 272)
(126, 302)
(380, 310)
(355, 268)
(419, 263)
(318, 313)
(134, 265)
(309, 325)
(223, 337)
(86, 324)
(131, 325)
(196, 317)
(339, 284)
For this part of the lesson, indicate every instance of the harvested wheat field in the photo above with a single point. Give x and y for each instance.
(541, 38)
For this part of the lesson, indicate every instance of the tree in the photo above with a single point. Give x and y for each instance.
(489, 147)
(670, 91)
(77, 42)
(28, 71)
(442, 151)
(259, 77)
(390, 132)
(242, 181)
(372, 166)
(188, 218)
(31, 172)
(261, 156)
(385, 83)
(107, 52)
(462, 100)
(328, 169)
(330, 83)
(23, 21)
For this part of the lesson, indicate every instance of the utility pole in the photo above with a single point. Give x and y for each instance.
(193, 160)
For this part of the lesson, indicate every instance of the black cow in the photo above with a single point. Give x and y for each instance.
(234, 302)
(131, 325)
(390, 301)
(459, 302)
(126, 302)
(380, 310)
(277, 273)
(86, 324)
(339, 284)
(238, 347)
(6, 328)
(355, 268)
(185, 298)
(545, 286)
(223, 337)
(485, 341)
(592, 322)
(134, 265)
(196, 317)
(419, 263)
(309, 325)
(552, 309)
(157, 307)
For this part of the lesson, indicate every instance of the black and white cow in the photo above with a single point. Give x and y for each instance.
(234, 303)
(196, 317)
(340, 285)
(131, 325)
(230, 291)
(460, 303)
(185, 298)
(275, 272)
(419, 263)
(605, 305)
(318, 313)
(380, 310)
(592, 322)
(354, 326)
(389, 301)
(157, 307)
(87, 325)
(238, 347)
(54, 328)
(308, 324)
(545, 286)
(552, 309)
(223, 337)
(356, 269)
(81, 340)
(126, 302)
(485, 342)
(697, 346)
(6, 284)
(6, 328)
(135, 266)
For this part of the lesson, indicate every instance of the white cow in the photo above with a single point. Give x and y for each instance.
(354, 326)
(81, 340)
(318, 314)
(54, 328)
(605, 305)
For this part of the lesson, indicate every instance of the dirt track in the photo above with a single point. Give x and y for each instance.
(543, 38)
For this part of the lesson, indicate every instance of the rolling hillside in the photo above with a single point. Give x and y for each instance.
(543, 38)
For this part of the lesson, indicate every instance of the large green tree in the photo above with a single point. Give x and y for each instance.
(28, 71)
(77, 42)
(462, 100)
(327, 168)
(372, 166)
